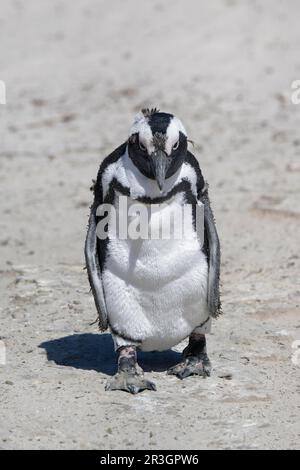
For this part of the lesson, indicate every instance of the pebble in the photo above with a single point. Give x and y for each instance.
(9, 382)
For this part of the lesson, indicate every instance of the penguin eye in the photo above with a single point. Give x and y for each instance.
(175, 146)
(142, 147)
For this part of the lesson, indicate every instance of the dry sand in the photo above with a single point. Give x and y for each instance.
(76, 73)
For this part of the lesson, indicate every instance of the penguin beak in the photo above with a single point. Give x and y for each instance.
(159, 164)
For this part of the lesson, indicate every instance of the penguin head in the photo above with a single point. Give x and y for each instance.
(157, 144)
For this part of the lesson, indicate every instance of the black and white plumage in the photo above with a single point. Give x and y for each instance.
(152, 294)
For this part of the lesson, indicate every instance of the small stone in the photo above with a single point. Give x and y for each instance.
(8, 382)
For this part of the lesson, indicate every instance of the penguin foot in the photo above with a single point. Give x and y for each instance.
(192, 365)
(131, 382)
(130, 376)
(195, 359)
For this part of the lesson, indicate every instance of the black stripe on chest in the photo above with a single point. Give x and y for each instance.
(183, 187)
(115, 186)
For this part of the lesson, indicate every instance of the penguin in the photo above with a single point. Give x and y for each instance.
(152, 293)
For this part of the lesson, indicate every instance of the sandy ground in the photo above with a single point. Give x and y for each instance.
(76, 73)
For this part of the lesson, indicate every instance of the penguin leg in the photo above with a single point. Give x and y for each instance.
(195, 359)
(130, 376)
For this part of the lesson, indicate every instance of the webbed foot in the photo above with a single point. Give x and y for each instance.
(132, 383)
(195, 359)
(129, 377)
(192, 365)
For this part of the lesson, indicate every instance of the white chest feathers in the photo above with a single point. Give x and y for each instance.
(156, 289)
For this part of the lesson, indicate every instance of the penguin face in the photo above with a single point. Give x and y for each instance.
(157, 145)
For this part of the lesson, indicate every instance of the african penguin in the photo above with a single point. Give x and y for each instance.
(151, 293)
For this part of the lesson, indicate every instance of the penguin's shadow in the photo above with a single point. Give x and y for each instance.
(96, 352)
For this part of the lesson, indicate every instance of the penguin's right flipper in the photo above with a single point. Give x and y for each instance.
(94, 247)
(93, 269)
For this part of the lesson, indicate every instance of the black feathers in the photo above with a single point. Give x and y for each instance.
(147, 112)
(159, 122)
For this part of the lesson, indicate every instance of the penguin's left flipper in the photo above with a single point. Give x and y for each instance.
(214, 256)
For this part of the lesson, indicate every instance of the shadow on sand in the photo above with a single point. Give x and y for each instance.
(96, 352)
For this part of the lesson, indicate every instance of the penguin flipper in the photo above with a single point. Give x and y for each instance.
(211, 240)
(94, 253)
(93, 269)
(213, 256)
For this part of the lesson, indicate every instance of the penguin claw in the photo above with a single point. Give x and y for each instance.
(132, 383)
(192, 365)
